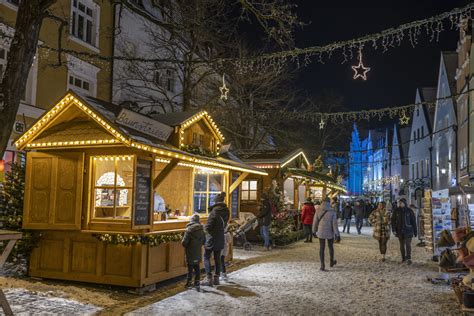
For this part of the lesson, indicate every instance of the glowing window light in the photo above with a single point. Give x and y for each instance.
(108, 179)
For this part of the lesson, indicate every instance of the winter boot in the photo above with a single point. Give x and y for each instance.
(333, 263)
(188, 284)
(208, 281)
(224, 277)
(197, 286)
(216, 279)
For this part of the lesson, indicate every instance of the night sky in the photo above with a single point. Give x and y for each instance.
(394, 74)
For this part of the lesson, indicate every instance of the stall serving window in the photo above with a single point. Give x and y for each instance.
(207, 185)
(113, 187)
(249, 190)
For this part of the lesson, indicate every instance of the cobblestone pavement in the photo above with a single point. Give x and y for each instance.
(288, 282)
(24, 302)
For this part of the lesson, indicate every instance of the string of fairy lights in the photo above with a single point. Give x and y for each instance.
(386, 39)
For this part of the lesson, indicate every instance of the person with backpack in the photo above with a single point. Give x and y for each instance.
(193, 240)
(380, 220)
(307, 216)
(215, 238)
(265, 220)
(325, 228)
(404, 228)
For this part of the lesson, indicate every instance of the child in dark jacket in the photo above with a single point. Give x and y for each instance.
(193, 240)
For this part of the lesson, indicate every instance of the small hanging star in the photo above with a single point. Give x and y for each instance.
(404, 119)
(321, 124)
(224, 90)
(360, 70)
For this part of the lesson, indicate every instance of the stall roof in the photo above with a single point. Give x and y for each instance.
(105, 115)
(276, 156)
(317, 177)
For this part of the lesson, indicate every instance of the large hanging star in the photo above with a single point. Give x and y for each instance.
(360, 70)
(224, 90)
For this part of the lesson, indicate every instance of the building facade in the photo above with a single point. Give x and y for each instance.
(444, 140)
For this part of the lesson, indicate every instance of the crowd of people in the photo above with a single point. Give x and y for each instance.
(385, 219)
(319, 220)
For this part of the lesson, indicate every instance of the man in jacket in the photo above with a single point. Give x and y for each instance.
(193, 240)
(215, 239)
(404, 228)
(359, 211)
(265, 220)
(307, 216)
(347, 216)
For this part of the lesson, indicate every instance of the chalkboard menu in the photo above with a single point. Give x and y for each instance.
(142, 205)
(235, 198)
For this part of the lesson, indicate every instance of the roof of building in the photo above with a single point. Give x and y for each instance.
(428, 94)
(174, 118)
(451, 63)
(279, 156)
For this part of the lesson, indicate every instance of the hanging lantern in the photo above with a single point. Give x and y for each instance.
(2, 165)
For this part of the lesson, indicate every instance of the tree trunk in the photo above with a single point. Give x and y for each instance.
(20, 58)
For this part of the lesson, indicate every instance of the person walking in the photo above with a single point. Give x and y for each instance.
(265, 220)
(215, 239)
(307, 216)
(359, 212)
(193, 240)
(325, 228)
(380, 220)
(347, 216)
(404, 228)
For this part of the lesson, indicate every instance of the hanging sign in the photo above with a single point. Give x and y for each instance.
(144, 124)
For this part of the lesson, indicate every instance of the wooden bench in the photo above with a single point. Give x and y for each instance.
(11, 237)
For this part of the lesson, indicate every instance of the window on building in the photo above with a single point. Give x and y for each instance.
(206, 187)
(249, 190)
(80, 83)
(418, 134)
(414, 136)
(84, 21)
(201, 140)
(166, 78)
(417, 112)
(113, 187)
(422, 166)
(428, 171)
(413, 171)
(422, 131)
(417, 173)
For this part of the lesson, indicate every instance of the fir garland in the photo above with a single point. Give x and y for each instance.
(198, 151)
(129, 240)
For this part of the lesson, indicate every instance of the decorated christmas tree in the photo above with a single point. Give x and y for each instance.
(11, 215)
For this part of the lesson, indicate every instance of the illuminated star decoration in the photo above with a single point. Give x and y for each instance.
(404, 119)
(360, 70)
(224, 90)
(321, 124)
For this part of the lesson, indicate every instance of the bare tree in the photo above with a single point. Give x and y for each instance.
(30, 16)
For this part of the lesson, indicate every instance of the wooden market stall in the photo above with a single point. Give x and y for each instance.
(288, 171)
(111, 190)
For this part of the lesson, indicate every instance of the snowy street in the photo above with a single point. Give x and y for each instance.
(288, 281)
(284, 281)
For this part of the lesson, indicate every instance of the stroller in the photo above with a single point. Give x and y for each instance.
(240, 239)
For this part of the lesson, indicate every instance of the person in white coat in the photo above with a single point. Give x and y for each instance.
(325, 228)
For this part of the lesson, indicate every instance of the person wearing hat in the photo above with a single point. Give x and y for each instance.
(215, 238)
(265, 220)
(193, 240)
(307, 216)
(404, 228)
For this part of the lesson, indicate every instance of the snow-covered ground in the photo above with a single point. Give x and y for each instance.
(288, 281)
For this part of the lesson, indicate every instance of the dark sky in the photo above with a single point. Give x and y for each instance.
(394, 74)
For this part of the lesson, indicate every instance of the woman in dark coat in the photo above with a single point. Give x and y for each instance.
(215, 238)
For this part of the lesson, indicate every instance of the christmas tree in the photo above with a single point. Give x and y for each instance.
(11, 214)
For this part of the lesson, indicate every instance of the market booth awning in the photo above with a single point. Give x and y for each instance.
(111, 190)
(316, 178)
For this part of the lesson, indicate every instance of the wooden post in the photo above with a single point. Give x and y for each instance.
(237, 182)
(296, 193)
(164, 173)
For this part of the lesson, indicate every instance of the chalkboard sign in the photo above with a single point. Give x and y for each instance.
(235, 198)
(142, 205)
